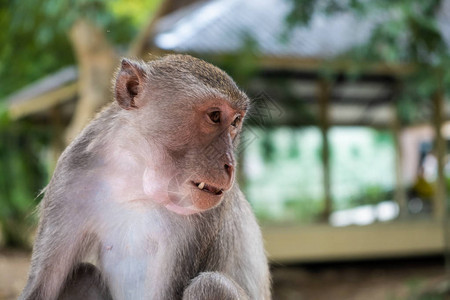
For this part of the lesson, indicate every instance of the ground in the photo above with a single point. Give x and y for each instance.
(13, 273)
(374, 280)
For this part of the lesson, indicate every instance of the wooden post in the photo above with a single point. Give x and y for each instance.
(323, 92)
(440, 197)
(400, 192)
(440, 207)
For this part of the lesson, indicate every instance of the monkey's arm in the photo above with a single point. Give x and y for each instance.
(58, 247)
(246, 259)
(237, 257)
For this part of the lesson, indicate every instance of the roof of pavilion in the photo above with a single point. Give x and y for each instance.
(225, 26)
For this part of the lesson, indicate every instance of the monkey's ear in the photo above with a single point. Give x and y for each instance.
(129, 81)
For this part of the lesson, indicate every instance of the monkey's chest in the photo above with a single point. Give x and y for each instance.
(143, 261)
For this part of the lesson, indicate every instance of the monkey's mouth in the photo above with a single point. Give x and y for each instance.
(208, 188)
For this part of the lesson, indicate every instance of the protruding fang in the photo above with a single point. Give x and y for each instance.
(201, 185)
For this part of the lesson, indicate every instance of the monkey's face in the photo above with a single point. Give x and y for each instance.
(205, 160)
(195, 131)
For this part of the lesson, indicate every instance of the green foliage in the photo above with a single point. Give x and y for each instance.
(138, 11)
(268, 147)
(28, 51)
(382, 138)
(371, 194)
(303, 210)
(294, 149)
(303, 10)
(24, 174)
(4, 116)
(34, 37)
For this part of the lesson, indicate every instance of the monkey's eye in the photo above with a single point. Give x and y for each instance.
(214, 116)
(236, 121)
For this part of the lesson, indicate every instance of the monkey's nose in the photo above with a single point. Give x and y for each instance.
(229, 168)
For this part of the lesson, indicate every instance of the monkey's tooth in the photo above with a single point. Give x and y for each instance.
(201, 185)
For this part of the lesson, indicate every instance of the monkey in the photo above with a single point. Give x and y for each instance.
(143, 203)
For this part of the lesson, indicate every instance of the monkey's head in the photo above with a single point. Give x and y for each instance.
(189, 115)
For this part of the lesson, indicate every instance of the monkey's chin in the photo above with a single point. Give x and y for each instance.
(186, 211)
(198, 201)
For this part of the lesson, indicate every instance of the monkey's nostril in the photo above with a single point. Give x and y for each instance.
(229, 169)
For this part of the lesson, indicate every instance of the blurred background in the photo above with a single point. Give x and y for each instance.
(344, 157)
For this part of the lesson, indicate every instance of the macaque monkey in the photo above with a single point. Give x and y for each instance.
(143, 204)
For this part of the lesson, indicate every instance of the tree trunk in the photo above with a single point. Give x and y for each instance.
(440, 196)
(96, 63)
